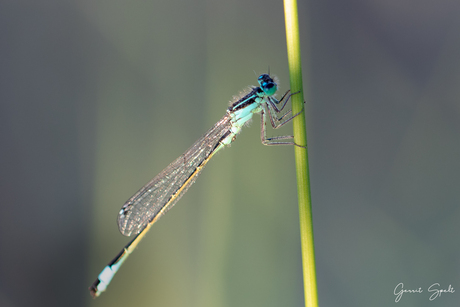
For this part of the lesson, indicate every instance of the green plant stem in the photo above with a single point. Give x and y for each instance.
(301, 154)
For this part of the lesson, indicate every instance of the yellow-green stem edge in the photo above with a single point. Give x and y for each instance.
(301, 154)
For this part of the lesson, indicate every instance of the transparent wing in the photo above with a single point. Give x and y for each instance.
(169, 185)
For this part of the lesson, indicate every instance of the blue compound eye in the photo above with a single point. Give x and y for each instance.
(267, 84)
(270, 88)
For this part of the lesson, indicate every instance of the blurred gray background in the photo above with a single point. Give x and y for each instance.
(97, 97)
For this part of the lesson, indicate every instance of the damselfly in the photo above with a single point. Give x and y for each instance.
(142, 210)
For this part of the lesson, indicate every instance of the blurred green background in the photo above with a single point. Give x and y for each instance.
(97, 97)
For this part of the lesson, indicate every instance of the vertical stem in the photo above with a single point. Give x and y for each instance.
(301, 154)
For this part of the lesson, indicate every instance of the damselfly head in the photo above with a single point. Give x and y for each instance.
(267, 84)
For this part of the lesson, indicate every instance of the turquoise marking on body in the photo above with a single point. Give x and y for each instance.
(243, 102)
(105, 277)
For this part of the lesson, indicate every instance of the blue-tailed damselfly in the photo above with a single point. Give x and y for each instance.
(143, 209)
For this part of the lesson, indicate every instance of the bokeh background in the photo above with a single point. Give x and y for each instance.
(97, 97)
